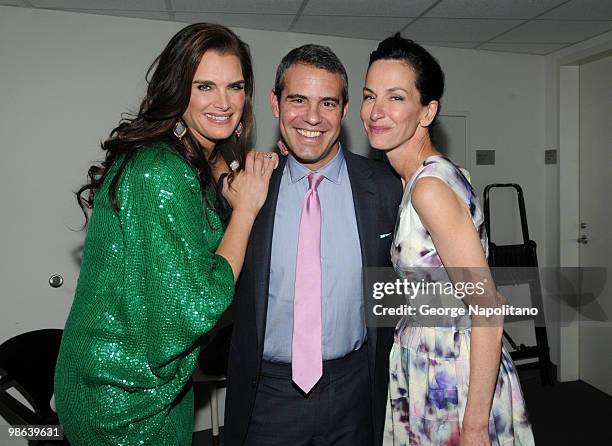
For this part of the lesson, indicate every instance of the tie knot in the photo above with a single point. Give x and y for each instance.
(314, 179)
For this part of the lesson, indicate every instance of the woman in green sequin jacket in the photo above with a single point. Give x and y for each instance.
(160, 260)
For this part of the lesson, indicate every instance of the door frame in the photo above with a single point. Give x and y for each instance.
(569, 212)
(468, 151)
(569, 198)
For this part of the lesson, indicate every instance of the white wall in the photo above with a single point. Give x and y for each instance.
(504, 95)
(66, 77)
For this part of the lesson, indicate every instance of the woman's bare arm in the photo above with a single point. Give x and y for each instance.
(449, 223)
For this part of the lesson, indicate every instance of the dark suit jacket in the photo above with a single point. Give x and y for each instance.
(376, 194)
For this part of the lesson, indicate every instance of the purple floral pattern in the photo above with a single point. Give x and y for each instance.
(430, 366)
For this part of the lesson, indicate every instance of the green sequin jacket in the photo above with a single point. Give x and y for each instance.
(150, 285)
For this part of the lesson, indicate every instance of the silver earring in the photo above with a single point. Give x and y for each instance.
(238, 130)
(180, 129)
(234, 165)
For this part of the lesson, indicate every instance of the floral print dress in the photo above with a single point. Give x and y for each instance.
(430, 366)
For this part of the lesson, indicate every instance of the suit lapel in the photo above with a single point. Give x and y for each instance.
(261, 246)
(364, 195)
(364, 199)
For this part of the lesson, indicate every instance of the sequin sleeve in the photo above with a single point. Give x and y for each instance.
(171, 265)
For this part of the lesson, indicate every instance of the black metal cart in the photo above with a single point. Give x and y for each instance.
(515, 265)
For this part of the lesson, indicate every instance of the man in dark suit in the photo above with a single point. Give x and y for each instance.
(303, 367)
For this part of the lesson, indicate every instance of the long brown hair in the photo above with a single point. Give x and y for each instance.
(169, 81)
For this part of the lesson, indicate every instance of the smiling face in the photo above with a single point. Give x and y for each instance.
(310, 114)
(217, 98)
(391, 110)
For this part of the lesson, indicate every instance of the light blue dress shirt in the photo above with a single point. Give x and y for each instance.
(343, 325)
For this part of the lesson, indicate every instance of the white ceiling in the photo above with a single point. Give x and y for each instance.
(521, 26)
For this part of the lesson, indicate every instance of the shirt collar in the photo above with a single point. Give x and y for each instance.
(330, 171)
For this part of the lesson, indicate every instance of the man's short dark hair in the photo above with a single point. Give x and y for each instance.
(312, 55)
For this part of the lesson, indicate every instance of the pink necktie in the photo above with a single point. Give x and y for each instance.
(306, 356)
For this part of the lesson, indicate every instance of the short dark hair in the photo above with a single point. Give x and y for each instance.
(313, 55)
(429, 77)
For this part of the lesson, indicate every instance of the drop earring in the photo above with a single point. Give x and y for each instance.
(180, 129)
(234, 165)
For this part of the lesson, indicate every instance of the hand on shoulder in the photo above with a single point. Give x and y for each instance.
(247, 189)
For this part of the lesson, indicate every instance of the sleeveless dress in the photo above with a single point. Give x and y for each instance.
(430, 366)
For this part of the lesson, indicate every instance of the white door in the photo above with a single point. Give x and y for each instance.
(595, 342)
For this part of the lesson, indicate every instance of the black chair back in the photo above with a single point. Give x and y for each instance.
(27, 363)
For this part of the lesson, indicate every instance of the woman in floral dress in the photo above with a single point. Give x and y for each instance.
(454, 383)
